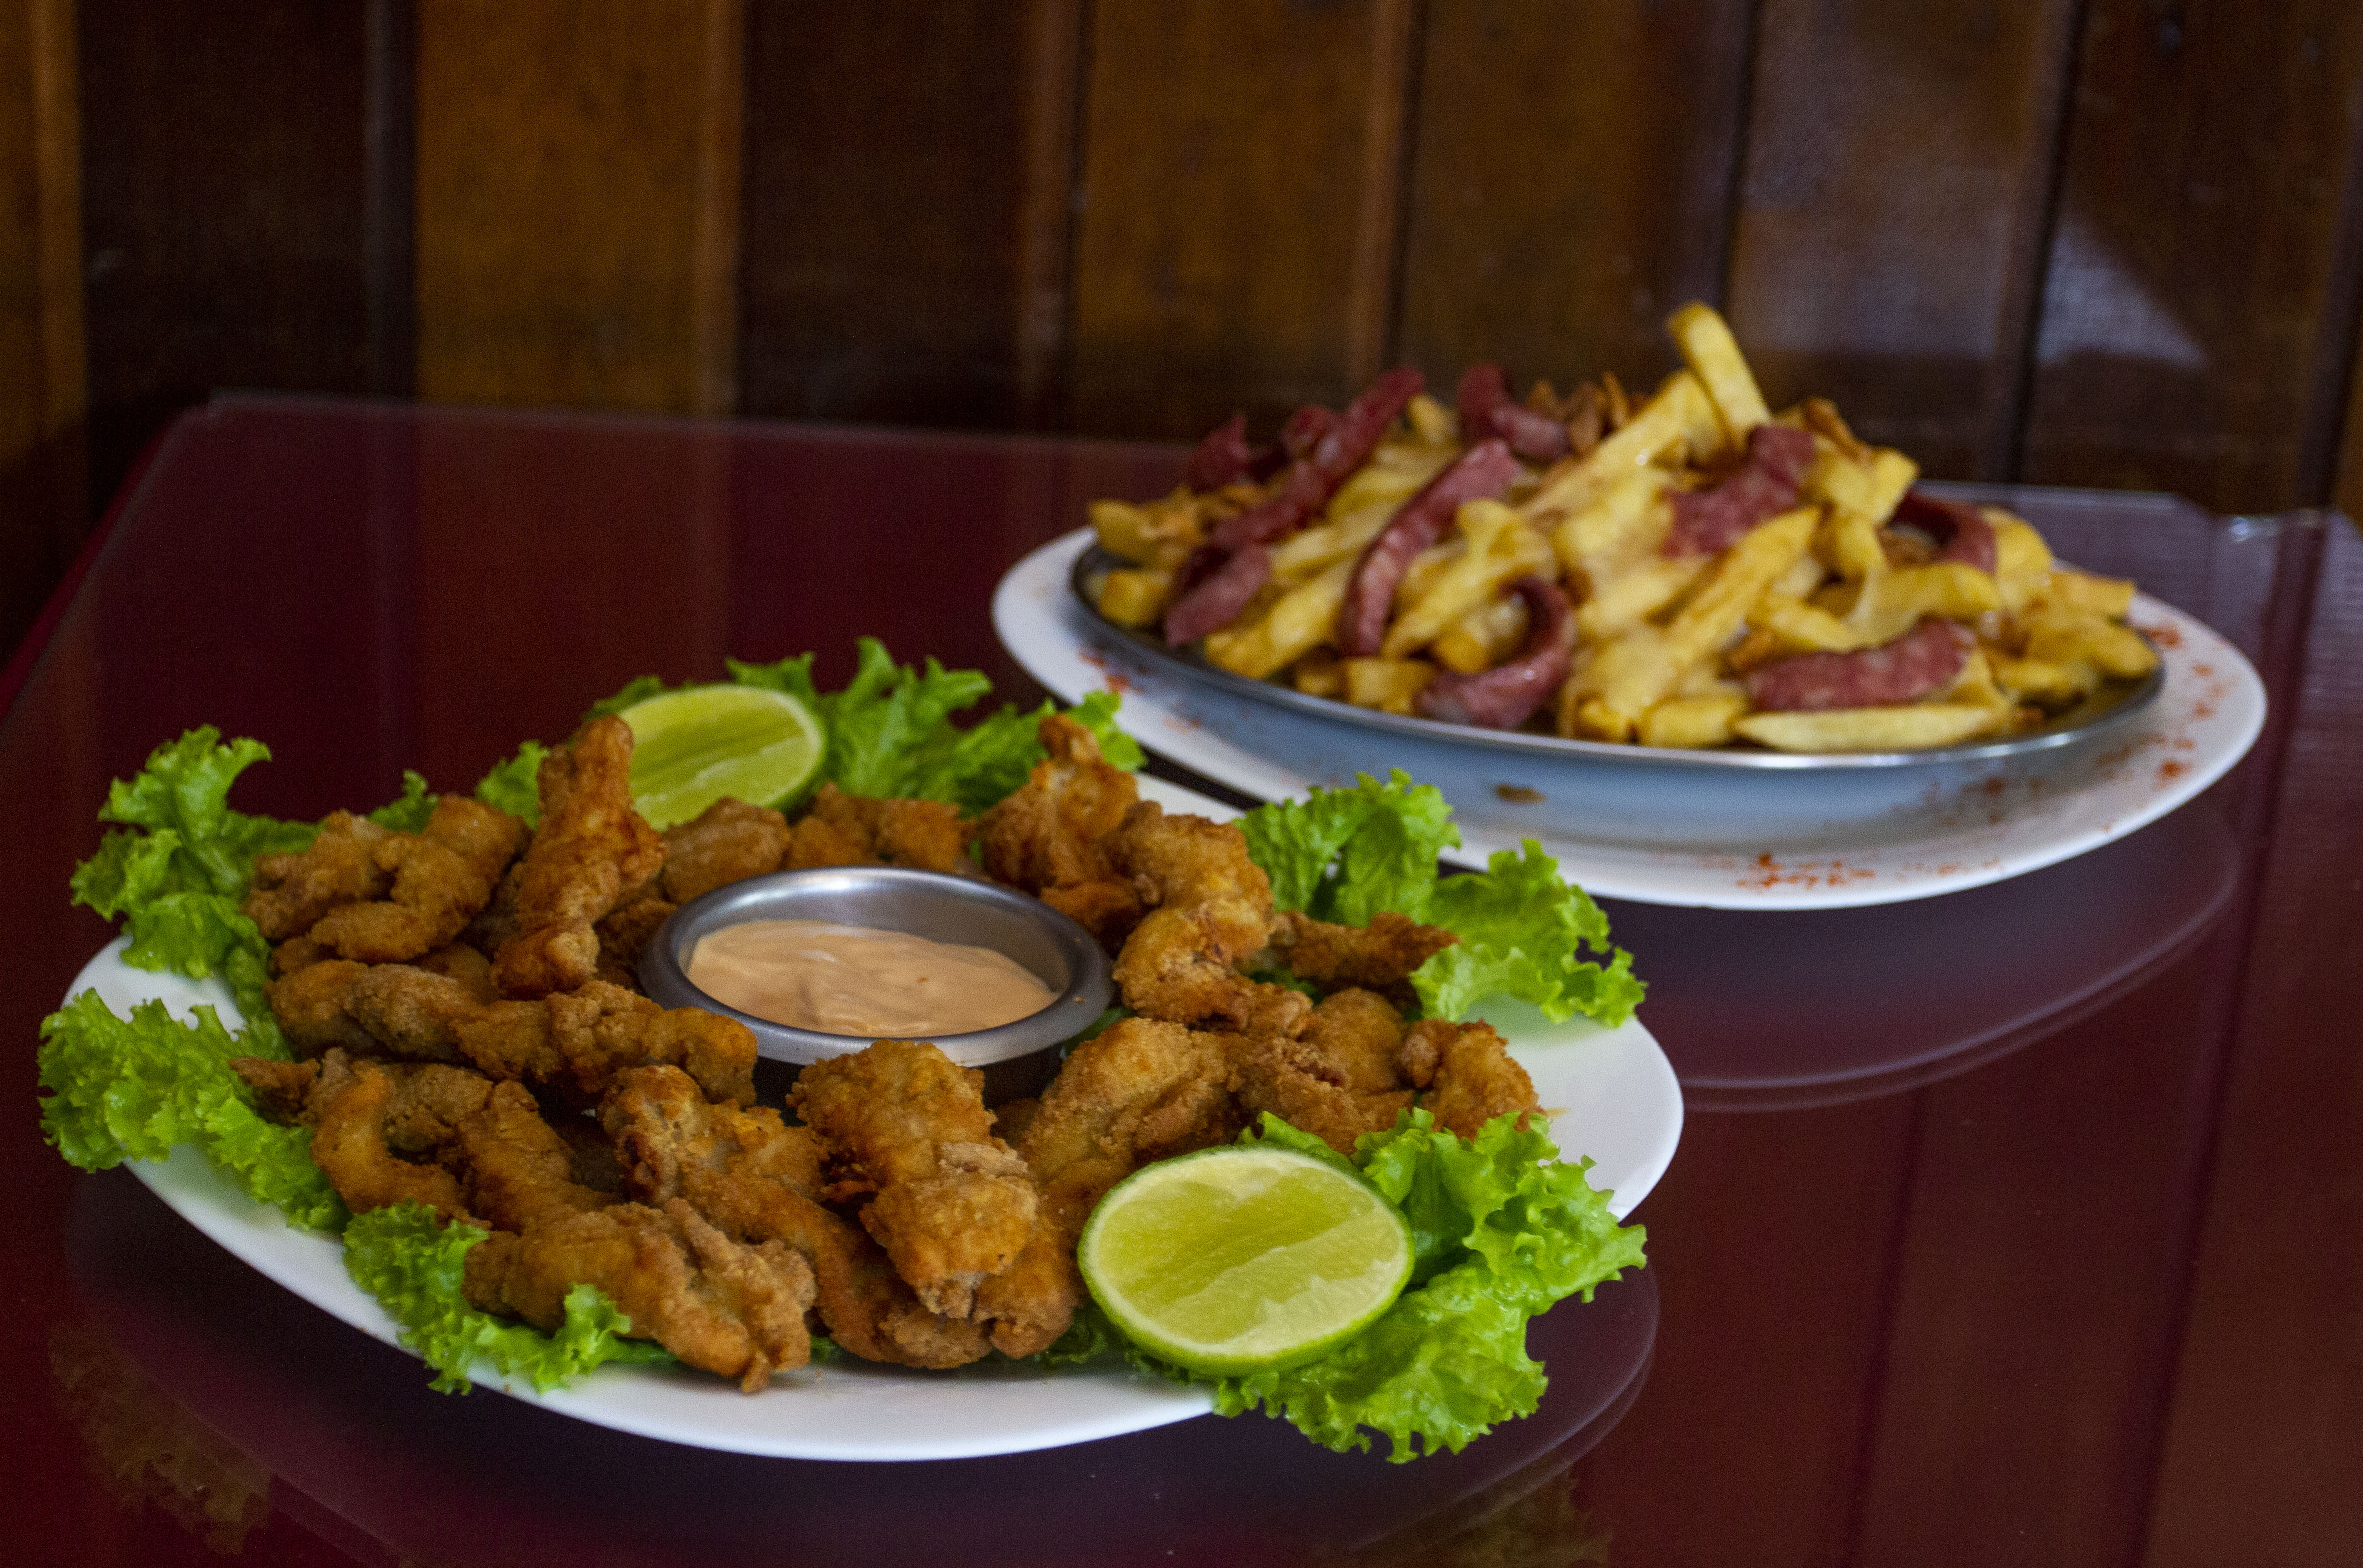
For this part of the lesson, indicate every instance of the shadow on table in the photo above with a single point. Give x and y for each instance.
(347, 1439)
(1782, 1011)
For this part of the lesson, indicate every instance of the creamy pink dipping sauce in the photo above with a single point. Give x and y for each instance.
(857, 980)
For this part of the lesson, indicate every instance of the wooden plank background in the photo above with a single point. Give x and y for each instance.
(2092, 242)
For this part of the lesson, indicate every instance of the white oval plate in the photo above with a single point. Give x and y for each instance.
(1659, 832)
(1612, 1094)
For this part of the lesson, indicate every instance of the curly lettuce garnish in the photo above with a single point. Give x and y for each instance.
(1501, 1230)
(412, 1264)
(1347, 855)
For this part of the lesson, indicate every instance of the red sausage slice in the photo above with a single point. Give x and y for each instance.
(1920, 661)
(1505, 697)
(1484, 471)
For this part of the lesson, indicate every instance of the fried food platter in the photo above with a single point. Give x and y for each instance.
(1700, 829)
(1612, 1094)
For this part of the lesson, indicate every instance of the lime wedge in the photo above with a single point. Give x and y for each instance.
(1239, 1259)
(692, 746)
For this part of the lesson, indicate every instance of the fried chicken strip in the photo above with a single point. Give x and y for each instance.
(365, 1116)
(1213, 911)
(729, 842)
(1339, 1079)
(954, 1203)
(1466, 1075)
(724, 1306)
(437, 880)
(1048, 838)
(1380, 956)
(855, 830)
(291, 892)
(592, 853)
(758, 1179)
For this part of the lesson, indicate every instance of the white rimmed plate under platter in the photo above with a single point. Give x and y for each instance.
(1612, 1092)
(1657, 828)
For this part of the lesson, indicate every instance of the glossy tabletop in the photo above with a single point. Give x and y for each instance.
(2014, 1226)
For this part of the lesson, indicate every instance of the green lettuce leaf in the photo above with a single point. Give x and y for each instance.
(891, 735)
(1349, 854)
(412, 1264)
(409, 810)
(1501, 1230)
(514, 785)
(130, 1089)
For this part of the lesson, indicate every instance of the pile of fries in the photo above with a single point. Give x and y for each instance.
(1689, 570)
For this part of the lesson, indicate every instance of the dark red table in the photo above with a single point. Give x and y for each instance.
(2017, 1227)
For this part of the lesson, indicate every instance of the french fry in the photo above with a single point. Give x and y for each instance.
(1893, 602)
(1134, 596)
(1388, 684)
(1626, 600)
(1714, 357)
(1628, 518)
(1679, 419)
(1891, 474)
(1692, 720)
(1432, 421)
(2035, 681)
(1502, 545)
(1484, 637)
(1320, 673)
(2068, 636)
(2022, 560)
(1303, 619)
(1910, 727)
(1158, 534)
(2109, 597)
(1802, 627)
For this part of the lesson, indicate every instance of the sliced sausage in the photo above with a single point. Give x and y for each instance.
(1486, 409)
(1484, 471)
(1505, 697)
(1218, 596)
(1223, 457)
(1706, 521)
(1920, 661)
(1959, 531)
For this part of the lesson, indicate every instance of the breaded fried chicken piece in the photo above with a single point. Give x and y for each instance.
(352, 1107)
(517, 1172)
(954, 1204)
(854, 830)
(1047, 838)
(1213, 911)
(1466, 1075)
(573, 1045)
(291, 892)
(625, 933)
(592, 853)
(758, 1179)
(1380, 956)
(1338, 1080)
(437, 880)
(729, 842)
(720, 1306)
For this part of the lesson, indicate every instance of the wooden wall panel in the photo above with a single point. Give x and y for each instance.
(2190, 288)
(1241, 167)
(42, 456)
(1892, 217)
(577, 202)
(886, 174)
(1571, 182)
(223, 212)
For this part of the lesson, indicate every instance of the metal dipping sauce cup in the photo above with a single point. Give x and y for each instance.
(1018, 1058)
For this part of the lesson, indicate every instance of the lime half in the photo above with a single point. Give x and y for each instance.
(691, 747)
(1239, 1259)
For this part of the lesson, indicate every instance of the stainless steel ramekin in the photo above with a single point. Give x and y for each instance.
(932, 904)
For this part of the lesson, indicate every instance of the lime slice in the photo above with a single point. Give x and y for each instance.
(691, 747)
(1240, 1259)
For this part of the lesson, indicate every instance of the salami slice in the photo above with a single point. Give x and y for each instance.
(1706, 521)
(1486, 409)
(1219, 595)
(1484, 471)
(1959, 531)
(1505, 697)
(1920, 661)
(1223, 457)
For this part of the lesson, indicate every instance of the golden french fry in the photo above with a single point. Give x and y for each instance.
(1627, 519)
(1802, 627)
(1910, 727)
(1432, 421)
(1891, 474)
(1134, 596)
(2038, 681)
(2022, 560)
(2081, 592)
(1821, 416)
(1692, 720)
(1623, 678)
(1301, 619)
(2067, 637)
(1680, 420)
(1712, 355)
(1156, 534)
(1484, 637)
(1320, 673)
(1316, 549)
(1425, 568)
(1620, 603)
(1386, 683)
(1501, 546)
(1893, 602)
